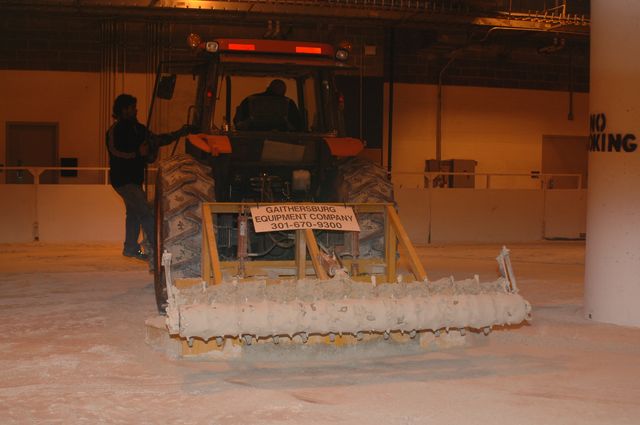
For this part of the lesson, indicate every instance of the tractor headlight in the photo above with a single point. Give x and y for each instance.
(342, 55)
(193, 40)
(343, 50)
(211, 46)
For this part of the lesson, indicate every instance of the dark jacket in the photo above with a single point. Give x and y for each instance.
(123, 143)
(272, 112)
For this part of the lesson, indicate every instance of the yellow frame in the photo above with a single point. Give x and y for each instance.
(305, 240)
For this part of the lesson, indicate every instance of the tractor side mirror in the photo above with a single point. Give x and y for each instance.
(166, 85)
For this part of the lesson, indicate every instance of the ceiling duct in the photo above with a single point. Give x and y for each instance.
(463, 13)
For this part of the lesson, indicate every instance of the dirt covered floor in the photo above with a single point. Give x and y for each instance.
(73, 351)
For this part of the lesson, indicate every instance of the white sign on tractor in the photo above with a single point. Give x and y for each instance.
(273, 218)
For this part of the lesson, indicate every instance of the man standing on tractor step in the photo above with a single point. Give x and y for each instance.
(131, 145)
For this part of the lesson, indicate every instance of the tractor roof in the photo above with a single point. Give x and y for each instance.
(272, 53)
(285, 47)
(267, 61)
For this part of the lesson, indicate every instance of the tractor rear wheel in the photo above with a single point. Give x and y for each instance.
(360, 180)
(182, 185)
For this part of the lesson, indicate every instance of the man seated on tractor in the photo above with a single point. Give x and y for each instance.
(269, 110)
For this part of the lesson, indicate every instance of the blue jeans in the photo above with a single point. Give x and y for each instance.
(139, 214)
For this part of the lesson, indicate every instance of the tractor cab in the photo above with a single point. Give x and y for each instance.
(268, 117)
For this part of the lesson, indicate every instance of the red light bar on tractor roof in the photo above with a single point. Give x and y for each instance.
(275, 46)
(309, 50)
(242, 47)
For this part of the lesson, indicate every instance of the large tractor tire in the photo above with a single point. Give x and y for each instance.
(360, 180)
(181, 186)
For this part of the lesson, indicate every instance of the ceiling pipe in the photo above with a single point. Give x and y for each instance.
(439, 106)
(362, 13)
(390, 107)
(570, 113)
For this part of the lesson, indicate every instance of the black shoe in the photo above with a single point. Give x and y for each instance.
(139, 255)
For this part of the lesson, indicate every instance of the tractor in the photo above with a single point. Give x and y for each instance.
(218, 278)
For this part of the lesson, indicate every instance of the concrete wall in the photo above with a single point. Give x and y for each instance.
(18, 214)
(501, 215)
(612, 266)
(74, 101)
(61, 213)
(80, 213)
(565, 213)
(95, 213)
(501, 129)
(67, 98)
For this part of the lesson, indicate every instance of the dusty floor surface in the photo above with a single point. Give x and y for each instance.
(72, 351)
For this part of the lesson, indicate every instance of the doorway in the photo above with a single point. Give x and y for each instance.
(32, 144)
(565, 155)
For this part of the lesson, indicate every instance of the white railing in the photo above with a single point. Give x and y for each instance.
(405, 179)
(76, 210)
(37, 172)
(441, 179)
(61, 209)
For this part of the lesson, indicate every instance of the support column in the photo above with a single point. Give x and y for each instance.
(612, 263)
